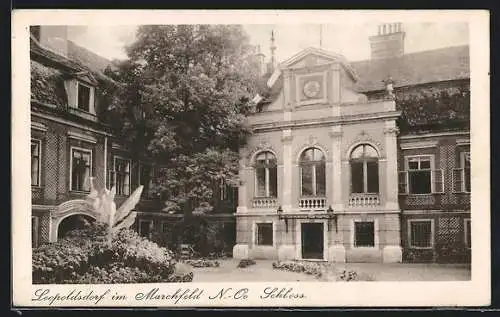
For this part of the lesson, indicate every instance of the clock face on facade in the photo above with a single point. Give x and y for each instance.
(312, 88)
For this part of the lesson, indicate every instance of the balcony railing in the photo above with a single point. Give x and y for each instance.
(364, 200)
(265, 202)
(311, 203)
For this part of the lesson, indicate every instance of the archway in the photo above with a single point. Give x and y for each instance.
(73, 222)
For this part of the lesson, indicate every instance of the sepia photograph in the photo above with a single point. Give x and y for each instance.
(189, 153)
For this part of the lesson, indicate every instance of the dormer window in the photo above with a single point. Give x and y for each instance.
(83, 97)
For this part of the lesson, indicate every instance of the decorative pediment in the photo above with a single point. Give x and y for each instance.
(312, 57)
(264, 145)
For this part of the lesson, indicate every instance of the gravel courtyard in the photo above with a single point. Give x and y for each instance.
(262, 271)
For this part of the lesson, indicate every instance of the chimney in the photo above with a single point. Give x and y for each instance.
(54, 38)
(389, 42)
(273, 50)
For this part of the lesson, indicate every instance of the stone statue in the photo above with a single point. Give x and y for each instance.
(104, 205)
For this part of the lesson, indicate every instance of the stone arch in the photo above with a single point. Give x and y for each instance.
(358, 143)
(262, 147)
(77, 207)
(72, 221)
(255, 153)
(318, 146)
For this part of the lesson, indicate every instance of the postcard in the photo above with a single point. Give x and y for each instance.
(215, 158)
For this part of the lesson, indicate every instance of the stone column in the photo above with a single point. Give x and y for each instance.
(241, 250)
(287, 251)
(336, 252)
(391, 201)
(286, 202)
(392, 251)
(242, 189)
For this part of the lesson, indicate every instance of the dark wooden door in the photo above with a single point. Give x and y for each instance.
(312, 240)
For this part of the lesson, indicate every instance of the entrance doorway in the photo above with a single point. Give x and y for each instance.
(312, 240)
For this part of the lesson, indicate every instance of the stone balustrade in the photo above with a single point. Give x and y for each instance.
(265, 202)
(364, 200)
(311, 203)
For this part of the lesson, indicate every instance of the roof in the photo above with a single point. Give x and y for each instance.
(437, 65)
(86, 57)
(444, 64)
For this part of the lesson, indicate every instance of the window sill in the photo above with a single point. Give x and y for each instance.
(420, 248)
(264, 246)
(366, 248)
(79, 192)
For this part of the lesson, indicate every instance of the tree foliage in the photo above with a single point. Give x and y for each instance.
(185, 94)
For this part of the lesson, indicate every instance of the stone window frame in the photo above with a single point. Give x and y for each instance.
(267, 178)
(39, 176)
(255, 224)
(113, 171)
(314, 164)
(71, 149)
(432, 159)
(91, 108)
(462, 166)
(433, 228)
(376, 238)
(364, 160)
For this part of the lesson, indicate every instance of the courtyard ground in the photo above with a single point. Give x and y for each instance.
(262, 271)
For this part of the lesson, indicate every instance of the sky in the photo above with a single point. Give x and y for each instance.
(350, 40)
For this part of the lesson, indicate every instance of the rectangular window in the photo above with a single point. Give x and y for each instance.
(83, 97)
(320, 180)
(465, 164)
(372, 177)
(364, 234)
(419, 175)
(34, 231)
(264, 232)
(261, 182)
(81, 164)
(307, 180)
(166, 227)
(121, 176)
(467, 232)
(357, 177)
(273, 182)
(145, 228)
(421, 232)
(35, 162)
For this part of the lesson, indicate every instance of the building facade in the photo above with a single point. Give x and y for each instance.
(72, 141)
(360, 162)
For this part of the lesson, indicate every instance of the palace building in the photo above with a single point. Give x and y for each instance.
(348, 161)
(366, 161)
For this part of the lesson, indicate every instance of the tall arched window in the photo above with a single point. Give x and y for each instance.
(266, 178)
(312, 173)
(364, 169)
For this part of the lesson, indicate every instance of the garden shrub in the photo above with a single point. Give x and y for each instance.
(202, 262)
(352, 276)
(299, 267)
(246, 262)
(84, 256)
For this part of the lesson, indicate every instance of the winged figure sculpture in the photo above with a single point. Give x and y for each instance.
(104, 205)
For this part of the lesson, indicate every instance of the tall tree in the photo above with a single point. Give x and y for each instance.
(186, 90)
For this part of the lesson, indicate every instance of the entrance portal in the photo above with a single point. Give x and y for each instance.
(312, 240)
(73, 222)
